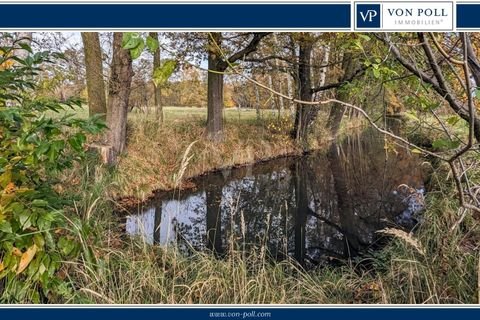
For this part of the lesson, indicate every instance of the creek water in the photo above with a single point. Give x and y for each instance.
(316, 208)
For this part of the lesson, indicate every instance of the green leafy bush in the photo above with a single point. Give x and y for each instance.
(37, 142)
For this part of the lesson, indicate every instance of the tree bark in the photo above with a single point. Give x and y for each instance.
(305, 114)
(291, 105)
(474, 65)
(323, 72)
(97, 103)
(157, 89)
(118, 94)
(215, 89)
(279, 100)
(257, 100)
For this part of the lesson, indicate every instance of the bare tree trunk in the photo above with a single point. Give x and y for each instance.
(273, 97)
(290, 93)
(280, 88)
(217, 66)
(215, 89)
(215, 107)
(97, 103)
(305, 113)
(257, 98)
(278, 100)
(118, 94)
(157, 89)
(474, 65)
(323, 72)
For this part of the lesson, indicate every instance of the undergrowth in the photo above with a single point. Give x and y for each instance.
(437, 263)
(442, 267)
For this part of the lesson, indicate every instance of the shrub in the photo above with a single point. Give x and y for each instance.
(36, 143)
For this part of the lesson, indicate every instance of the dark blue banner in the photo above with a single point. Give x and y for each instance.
(204, 16)
(175, 16)
(468, 15)
(241, 313)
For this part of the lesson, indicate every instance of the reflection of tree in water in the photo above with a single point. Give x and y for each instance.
(361, 183)
(310, 207)
(214, 218)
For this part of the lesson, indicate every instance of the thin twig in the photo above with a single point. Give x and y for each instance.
(443, 52)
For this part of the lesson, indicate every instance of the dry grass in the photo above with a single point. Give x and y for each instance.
(154, 153)
(438, 263)
(407, 237)
(128, 270)
(443, 271)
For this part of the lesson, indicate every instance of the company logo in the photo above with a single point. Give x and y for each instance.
(368, 16)
(405, 16)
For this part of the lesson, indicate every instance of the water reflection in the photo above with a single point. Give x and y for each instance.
(312, 208)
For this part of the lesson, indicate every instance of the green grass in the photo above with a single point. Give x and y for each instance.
(176, 113)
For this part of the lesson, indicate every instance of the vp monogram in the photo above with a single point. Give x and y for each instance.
(370, 14)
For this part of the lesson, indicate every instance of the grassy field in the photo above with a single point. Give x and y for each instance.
(156, 154)
(153, 159)
(176, 113)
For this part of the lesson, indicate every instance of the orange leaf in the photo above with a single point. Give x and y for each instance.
(26, 258)
(10, 188)
(1, 266)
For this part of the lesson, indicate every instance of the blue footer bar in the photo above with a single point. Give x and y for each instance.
(246, 312)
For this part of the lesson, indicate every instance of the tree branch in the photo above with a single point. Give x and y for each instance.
(357, 73)
(252, 46)
(443, 52)
(268, 58)
(437, 81)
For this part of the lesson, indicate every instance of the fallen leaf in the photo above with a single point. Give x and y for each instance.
(16, 252)
(1, 266)
(26, 258)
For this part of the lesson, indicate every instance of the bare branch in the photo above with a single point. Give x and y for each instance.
(357, 73)
(252, 46)
(443, 52)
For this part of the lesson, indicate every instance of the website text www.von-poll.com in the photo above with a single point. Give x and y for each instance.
(240, 315)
